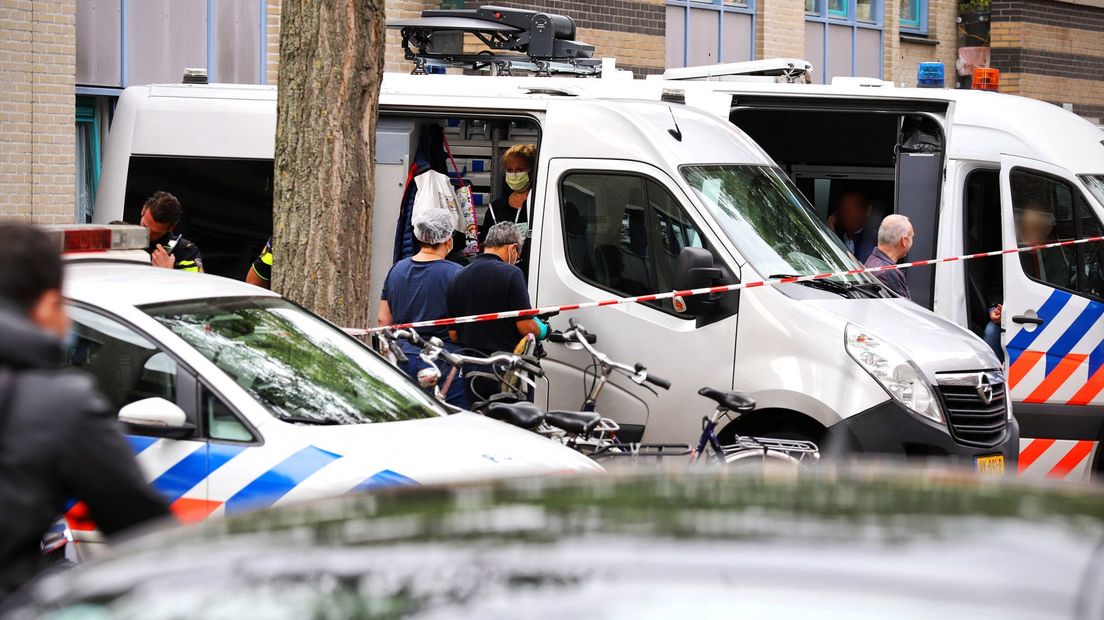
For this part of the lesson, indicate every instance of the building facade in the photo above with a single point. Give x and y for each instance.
(65, 62)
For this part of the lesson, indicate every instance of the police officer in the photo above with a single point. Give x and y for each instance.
(160, 215)
(260, 274)
(58, 438)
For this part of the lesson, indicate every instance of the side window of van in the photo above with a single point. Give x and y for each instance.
(1048, 209)
(624, 232)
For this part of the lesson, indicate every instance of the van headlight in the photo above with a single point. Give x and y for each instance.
(894, 371)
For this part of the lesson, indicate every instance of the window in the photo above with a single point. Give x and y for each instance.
(1048, 209)
(297, 366)
(769, 222)
(222, 422)
(624, 232)
(706, 32)
(88, 157)
(844, 38)
(914, 16)
(126, 365)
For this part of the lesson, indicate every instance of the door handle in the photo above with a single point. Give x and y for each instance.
(1022, 320)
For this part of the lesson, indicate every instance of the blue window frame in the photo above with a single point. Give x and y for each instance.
(832, 55)
(914, 16)
(88, 156)
(679, 48)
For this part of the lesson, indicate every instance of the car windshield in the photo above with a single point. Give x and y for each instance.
(296, 365)
(770, 222)
(1095, 183)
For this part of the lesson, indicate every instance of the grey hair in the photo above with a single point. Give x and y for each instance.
(503, 234)
(433, 226)
(893, 229)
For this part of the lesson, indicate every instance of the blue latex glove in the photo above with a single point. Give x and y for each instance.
(544, 329)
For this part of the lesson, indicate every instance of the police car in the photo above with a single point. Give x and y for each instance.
(236, 398)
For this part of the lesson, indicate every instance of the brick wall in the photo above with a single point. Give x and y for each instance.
(272, 42)
(780, 29)
(905, 51)
(1052, 51)
(37, 107)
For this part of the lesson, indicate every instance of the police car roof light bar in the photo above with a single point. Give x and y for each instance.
(543, 43)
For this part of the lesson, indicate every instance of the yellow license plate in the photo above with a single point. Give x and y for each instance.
(990, 464)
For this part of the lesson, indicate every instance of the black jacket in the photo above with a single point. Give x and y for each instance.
(58, 440)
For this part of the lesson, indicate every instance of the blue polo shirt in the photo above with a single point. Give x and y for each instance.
(416, 291)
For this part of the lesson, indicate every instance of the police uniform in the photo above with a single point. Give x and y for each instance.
(185, 254)
(263, 265)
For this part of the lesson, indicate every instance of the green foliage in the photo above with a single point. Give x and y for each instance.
(973, 6)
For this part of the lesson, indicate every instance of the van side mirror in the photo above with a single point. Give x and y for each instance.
(156, 417)
(695, 269)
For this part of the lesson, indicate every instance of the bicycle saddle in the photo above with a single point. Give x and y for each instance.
(575, 422)
(731, 400)
(523, 414)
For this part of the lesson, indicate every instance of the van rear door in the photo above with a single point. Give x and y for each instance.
(615, 228)
(1053, 316)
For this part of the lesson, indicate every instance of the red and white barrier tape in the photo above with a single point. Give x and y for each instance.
(521, 314)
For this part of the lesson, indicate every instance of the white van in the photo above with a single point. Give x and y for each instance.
(631, 196)
(961, 165)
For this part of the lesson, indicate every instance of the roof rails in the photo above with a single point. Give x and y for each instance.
(542, 43)
(785, 70)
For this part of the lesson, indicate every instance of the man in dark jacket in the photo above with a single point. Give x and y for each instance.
(58, 438)
(894, 242)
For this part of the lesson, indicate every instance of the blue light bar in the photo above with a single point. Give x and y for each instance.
(930, 75)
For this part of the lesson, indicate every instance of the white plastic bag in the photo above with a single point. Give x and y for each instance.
(435, 191)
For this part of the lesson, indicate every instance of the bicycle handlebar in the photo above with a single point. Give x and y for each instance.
(638, 373)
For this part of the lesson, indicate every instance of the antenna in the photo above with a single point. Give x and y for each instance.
(518, 40)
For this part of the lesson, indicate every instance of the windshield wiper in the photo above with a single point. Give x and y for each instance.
(317, 421)
(822, 284)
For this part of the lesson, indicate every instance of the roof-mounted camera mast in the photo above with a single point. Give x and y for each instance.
(519, 40)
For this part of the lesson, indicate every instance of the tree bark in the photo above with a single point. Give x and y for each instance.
(331, 63)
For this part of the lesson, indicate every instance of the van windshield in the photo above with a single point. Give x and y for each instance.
(1095, 183)
(770, 222)
(300, 368)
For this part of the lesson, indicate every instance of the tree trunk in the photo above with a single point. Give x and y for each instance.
(331, 62)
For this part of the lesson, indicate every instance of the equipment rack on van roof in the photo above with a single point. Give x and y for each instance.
(546, 42)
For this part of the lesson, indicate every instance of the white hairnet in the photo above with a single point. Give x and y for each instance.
(433, 226)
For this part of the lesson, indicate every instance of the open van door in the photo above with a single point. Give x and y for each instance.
(615, 228)
(1053, 317)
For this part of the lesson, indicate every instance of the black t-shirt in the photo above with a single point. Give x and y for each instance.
(501, 211)
(484, 286)
(185, 254)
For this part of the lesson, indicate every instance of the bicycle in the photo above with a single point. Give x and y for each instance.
(730, 404)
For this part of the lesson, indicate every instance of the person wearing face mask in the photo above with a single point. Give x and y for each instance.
(518, 163)
(492, 283)
(59, 438)
(416, 289)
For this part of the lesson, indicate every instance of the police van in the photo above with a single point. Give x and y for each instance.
(975, 171)
(630, 196)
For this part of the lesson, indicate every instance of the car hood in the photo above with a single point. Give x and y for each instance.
(934, 343)
(455, 448)
(864, 544)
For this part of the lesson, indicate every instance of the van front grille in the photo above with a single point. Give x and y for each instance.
(976, 407)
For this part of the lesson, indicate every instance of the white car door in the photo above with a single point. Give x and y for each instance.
(1053, 317)
(614, 228)
(129, 367)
